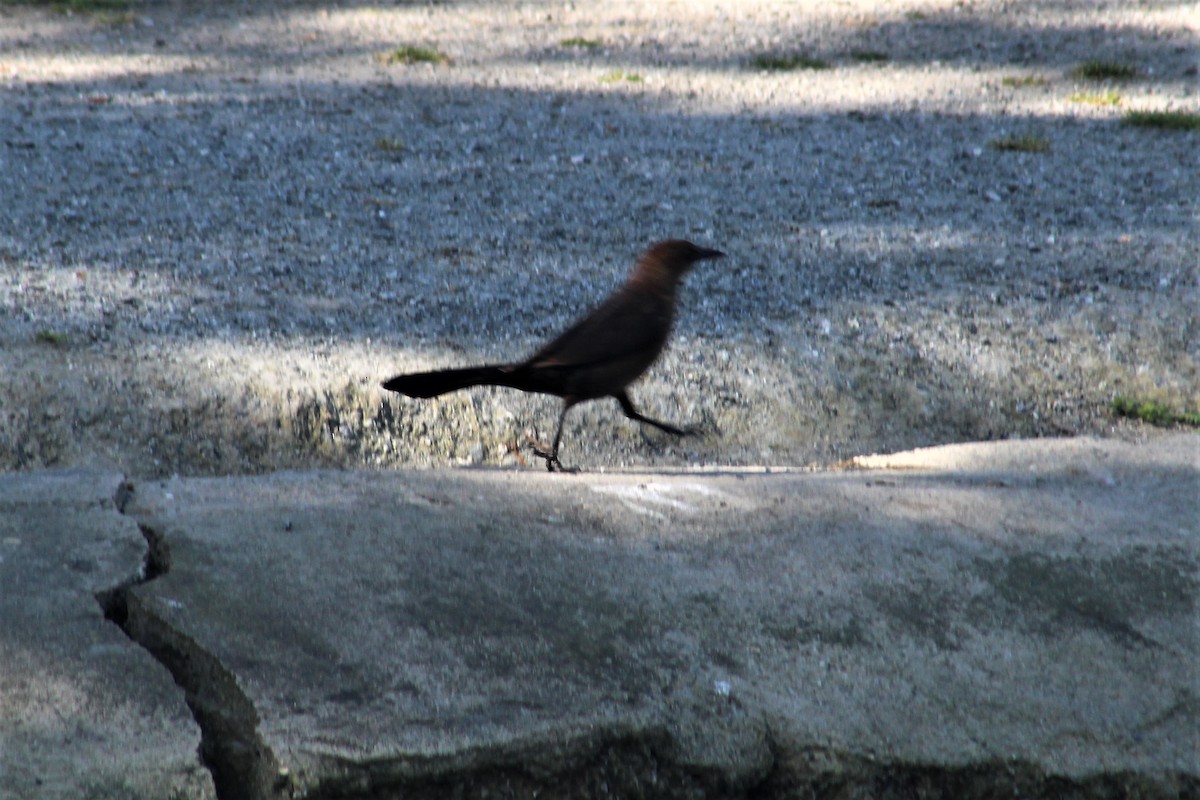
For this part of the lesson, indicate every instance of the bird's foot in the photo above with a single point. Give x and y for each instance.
(552, 462)
(703, 429)
(551, 459)
(549, 454)
(698, 430)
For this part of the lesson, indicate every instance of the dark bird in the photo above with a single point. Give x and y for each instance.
(598, 356)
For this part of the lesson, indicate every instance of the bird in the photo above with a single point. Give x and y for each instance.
(598, 356)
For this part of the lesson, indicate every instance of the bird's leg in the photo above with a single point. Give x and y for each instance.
(552, 455)
(541, 450)
(631, 412)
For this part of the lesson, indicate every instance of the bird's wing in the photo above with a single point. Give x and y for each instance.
(626, 325)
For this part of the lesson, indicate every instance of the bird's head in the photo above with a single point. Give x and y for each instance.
(680, 254)
(671, 259)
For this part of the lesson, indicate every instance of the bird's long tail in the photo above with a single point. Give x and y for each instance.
(431, 384)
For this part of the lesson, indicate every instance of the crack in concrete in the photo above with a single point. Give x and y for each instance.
(643, 762)
(242, 765)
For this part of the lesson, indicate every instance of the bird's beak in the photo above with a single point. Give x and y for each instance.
(706, 253)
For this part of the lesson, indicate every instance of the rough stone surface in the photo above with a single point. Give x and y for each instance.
(972, 621)
(84, 712)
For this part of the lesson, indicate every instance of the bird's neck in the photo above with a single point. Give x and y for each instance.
(651, 275)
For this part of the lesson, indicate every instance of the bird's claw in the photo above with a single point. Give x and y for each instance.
(552, 461)
(550, 456)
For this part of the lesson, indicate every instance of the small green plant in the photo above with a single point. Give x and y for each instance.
(1105, 71)
(116, 19)
(52, 338)
(1023, 81)
(1021, 144)
(777, 63)
(618, 75)
(1153, 412)
(580, 43)
(389, 144)
(1108, 98)
(410, 54)
(869, 56)
(1163, 120)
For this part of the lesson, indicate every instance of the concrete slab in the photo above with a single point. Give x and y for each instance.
(84, 712)
(1015, 618)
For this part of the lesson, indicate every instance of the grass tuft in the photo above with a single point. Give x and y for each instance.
(776, 63)
(1023, 81)
(581, 43)
(389, 144)
(1105, 71)
(1109, 98)
(52, 338)
(1163, 120)
(1021, 144)
(410, 54)
(116, 19)
(1153, 412)
(617, 75)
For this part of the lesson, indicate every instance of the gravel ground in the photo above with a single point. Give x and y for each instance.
(223, 224)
